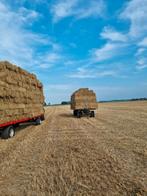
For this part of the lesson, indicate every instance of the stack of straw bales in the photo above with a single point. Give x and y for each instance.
(83, 99)
(21, 94)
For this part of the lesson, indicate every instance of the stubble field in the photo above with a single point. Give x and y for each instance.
(106, 155)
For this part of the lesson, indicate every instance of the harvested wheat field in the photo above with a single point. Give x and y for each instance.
(106, 155)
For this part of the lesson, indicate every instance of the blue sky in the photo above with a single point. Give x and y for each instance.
(68, 44)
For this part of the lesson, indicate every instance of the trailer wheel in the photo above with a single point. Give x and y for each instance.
(75, 112)
(38, 121)
(79, 114)
(8, 132)
(92, 114)
(42, 117)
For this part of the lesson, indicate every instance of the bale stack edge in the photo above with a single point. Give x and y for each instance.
(21, 94)
(83, 99)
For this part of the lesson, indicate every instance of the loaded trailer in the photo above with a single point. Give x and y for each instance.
(21, 99)
(83, 103)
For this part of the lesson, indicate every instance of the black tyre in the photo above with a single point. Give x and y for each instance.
(75, 112)
(92, 114)
(8, 132)
(38, 121)
(79, 114)
(42, 117)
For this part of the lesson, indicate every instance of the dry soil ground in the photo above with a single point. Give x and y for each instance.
(106, 155)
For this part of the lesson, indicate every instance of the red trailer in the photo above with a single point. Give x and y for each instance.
(7, 129)
(21, 98)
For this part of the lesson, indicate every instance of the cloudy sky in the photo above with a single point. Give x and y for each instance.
(68, 44)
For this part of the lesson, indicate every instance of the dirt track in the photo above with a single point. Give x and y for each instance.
(68, 156)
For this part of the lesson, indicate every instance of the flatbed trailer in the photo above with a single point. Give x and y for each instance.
(7, 129)
(21, 98)
(84, 112)
(83, 103)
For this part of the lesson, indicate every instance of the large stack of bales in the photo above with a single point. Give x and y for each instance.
(21, 94)
(83, 99)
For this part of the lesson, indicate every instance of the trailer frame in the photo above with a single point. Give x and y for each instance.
(6, 128)
(84, 112)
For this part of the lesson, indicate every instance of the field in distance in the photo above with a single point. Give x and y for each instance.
(106, 155)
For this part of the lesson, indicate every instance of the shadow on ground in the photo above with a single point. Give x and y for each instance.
(65, 115)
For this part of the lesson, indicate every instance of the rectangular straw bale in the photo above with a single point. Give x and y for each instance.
(83, 98)
(21, 93)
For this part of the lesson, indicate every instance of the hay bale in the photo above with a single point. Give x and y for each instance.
(21, 94)
(83, 98)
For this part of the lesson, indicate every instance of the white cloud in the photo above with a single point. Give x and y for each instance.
(140, 51)
(109, 50)
(139, 67)
(18, 17)
(27, 15)
(19, 45)
(13, 38)
(2, 7)
(82, 73)
(50, 59)
(53, 57)
(118, 43)
(143, 43)
(142, 63)
(77, 8)
(63, 9)
(113, 35)
(136, 12)
(141, 54)
(92, 73)
(93, 9)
